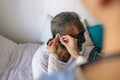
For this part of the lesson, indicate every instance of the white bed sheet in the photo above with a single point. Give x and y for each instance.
(19, 65)
(16, 59)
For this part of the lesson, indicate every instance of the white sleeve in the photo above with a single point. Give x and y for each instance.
(53, 64)
(39, 65)
(81, 60)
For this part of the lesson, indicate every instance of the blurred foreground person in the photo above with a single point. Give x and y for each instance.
(107, 68)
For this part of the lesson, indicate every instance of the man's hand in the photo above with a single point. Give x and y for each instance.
(53, 45)
(55, 48)
(71, 45)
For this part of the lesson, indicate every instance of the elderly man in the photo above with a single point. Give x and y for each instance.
(54, 56)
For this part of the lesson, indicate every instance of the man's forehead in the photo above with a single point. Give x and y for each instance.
(78, 25)
(81, 27)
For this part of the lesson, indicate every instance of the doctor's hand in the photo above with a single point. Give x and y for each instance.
(71, 45)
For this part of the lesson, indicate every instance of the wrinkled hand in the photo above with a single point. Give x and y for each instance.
(71, 45)
(53, 45)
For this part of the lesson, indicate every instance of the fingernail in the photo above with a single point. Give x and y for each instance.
(57, 35)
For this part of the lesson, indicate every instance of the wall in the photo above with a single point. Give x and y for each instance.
(23, 20)
(70, 5)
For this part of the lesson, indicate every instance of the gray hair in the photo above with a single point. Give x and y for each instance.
(61, 22)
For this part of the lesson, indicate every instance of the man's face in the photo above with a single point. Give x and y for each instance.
(77, 33)
(81, 39)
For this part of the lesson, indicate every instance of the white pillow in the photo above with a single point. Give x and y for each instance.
(6, 48)
(46, 34)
